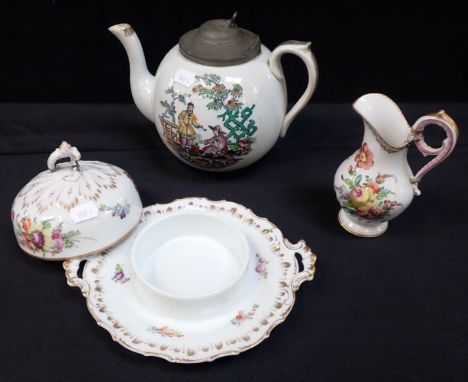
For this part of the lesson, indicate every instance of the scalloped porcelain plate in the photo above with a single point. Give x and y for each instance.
(210, 328)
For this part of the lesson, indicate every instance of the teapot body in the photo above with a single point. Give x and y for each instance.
(218, 118)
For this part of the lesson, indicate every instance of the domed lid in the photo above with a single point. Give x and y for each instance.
(220, 43)
(75, 209)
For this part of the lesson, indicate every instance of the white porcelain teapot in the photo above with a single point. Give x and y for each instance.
(218, 98)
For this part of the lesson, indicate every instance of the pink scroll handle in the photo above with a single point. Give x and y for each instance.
(443, 120)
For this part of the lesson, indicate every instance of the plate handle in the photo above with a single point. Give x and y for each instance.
(308, 260)
(71, 272)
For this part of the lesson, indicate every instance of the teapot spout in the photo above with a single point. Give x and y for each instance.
(141, 81)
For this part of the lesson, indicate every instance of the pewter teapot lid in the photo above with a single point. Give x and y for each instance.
(220, 43)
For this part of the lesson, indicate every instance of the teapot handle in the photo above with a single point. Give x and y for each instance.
(302, 50)
(443, 120)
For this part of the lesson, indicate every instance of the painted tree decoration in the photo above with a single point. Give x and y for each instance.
(169, 108)
(220, 145)
(234, 116)
(220, 96)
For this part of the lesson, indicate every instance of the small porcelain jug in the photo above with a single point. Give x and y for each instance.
(376, 184)
(218, 98)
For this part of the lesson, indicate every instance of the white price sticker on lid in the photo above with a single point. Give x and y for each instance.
(184, 78)
(83, 212)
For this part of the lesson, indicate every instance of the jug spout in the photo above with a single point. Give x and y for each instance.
(141, 81)
(385, 120)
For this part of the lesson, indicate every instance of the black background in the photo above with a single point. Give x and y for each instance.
(61, 51)
(393, 308)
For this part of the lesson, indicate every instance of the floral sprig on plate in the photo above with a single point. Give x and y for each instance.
(119, 275)
(244, 316)
(261, 267)
(164, 331)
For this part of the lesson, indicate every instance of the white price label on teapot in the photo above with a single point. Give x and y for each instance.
(184, 78)
(83, 212)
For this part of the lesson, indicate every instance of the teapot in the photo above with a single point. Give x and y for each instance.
(218, 98)
(375, 184)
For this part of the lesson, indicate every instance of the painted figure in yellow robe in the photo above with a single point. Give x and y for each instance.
(188, 122)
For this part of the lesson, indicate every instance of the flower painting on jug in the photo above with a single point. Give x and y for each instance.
(363, 195)
(365, 157)
(44, 236)
(215, 145)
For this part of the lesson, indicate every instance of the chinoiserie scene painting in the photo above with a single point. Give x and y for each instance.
(203, 144)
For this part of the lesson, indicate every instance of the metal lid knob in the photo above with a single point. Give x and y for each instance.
(220, 43)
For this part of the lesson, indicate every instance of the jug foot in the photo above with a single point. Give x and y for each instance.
(361, 227)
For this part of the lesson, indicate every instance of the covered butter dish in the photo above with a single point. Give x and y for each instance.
(75, 208)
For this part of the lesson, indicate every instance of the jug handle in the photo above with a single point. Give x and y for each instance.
(443, 120)
(302, 50)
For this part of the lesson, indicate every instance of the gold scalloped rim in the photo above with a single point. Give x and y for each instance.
(308, 274)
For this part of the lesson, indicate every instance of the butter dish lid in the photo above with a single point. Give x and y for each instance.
(75, 209)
